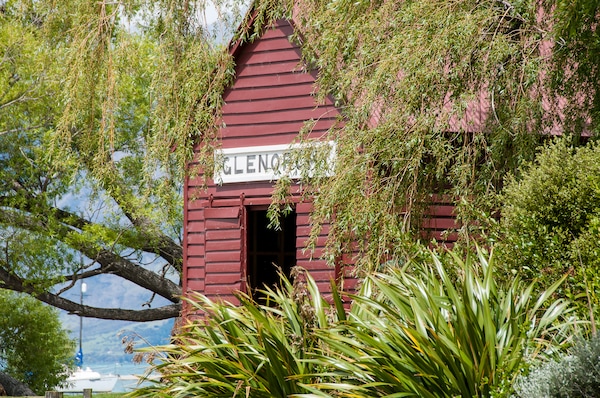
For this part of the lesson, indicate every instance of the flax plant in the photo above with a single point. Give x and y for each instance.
(248, 350)
(420, 332)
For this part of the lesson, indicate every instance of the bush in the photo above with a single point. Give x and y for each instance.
(411, 331)
(34, 348)
(423, 333)
(551, 219)
(247, 350)
(576, 375)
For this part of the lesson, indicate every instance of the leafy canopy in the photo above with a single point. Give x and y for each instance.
(34, 347)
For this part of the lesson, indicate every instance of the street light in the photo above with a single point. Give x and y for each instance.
(79, 356)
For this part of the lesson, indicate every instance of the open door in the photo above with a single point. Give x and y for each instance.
(268, 250)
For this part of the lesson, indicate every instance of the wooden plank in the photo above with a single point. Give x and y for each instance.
(273, 80)
(441, 210)
(195, 239)
(196, 285)
(270, 56)
(222, 290)
(301, 242)
(300, 115)
(225, 256)
(305, 230)
(255, 93)
(222, 212)
(440, 223)
(229, 267)
(223, 234)
(222, 278)
(245, 70)
(216, 224)
(223, 245)
(268, 105)
(289, 130)
(195, 226)
(195, 215)
(274, 43)
(196, 273)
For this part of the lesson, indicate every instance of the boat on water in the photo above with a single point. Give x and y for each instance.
(86, 378)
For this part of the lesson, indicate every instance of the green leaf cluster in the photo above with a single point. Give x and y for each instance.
(413, 331)
(437, 98)
(34, 347)
(550, 219)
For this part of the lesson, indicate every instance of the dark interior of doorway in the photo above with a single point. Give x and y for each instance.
(268, 250)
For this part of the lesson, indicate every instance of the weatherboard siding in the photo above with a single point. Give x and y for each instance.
(269, 102)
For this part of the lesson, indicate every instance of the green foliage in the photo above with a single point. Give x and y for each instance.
(550, 219)
(412, 331)
(417, 332)
(405, 74)
(248, 350)
(34, 348)
(575, 375)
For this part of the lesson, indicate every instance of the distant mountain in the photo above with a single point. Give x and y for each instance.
(102, 339)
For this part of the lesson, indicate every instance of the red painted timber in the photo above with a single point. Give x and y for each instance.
(273, 80)
(219, 279)
(196, 272)
(272, 56)
(305, 230)
(223, 245)
(195, 239)
(229, 267)
(195, 215)
(222, 212)
(223, 291)
(281, 116)
(441, 211)
(228, 223)
(301, 241)
(298, 102)
(439, 223)
(195, 285)
(291, 128)
(195, 226)
(271, 44)
(224, 234)
(256, 93)
(269, 69)
(225, 256)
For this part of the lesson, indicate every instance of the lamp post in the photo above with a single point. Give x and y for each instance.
(80, 353)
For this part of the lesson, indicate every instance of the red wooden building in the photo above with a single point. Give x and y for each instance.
(226, 240)
(227, 245)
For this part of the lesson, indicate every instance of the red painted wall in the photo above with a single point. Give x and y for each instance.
(268, 104)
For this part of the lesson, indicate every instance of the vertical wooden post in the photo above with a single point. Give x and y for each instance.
(87, 393)
(54, 394)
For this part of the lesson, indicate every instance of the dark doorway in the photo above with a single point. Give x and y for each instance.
(268, 249)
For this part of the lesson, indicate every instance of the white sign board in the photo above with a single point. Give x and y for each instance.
(257, 163)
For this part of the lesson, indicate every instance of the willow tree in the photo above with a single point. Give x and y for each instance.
(409, 75)
(102, 101)
(98, 109)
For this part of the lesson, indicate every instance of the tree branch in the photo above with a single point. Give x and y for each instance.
(12, 282)
(110, 263)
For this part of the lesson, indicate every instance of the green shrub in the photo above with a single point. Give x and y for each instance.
(420, 333)
(551, 219)
(247, 350)
(411, 331)
(34, 347)
(576, 375)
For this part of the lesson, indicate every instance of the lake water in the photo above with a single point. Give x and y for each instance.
(126, 371)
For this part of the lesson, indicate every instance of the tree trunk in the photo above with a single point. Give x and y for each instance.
(13, 387)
